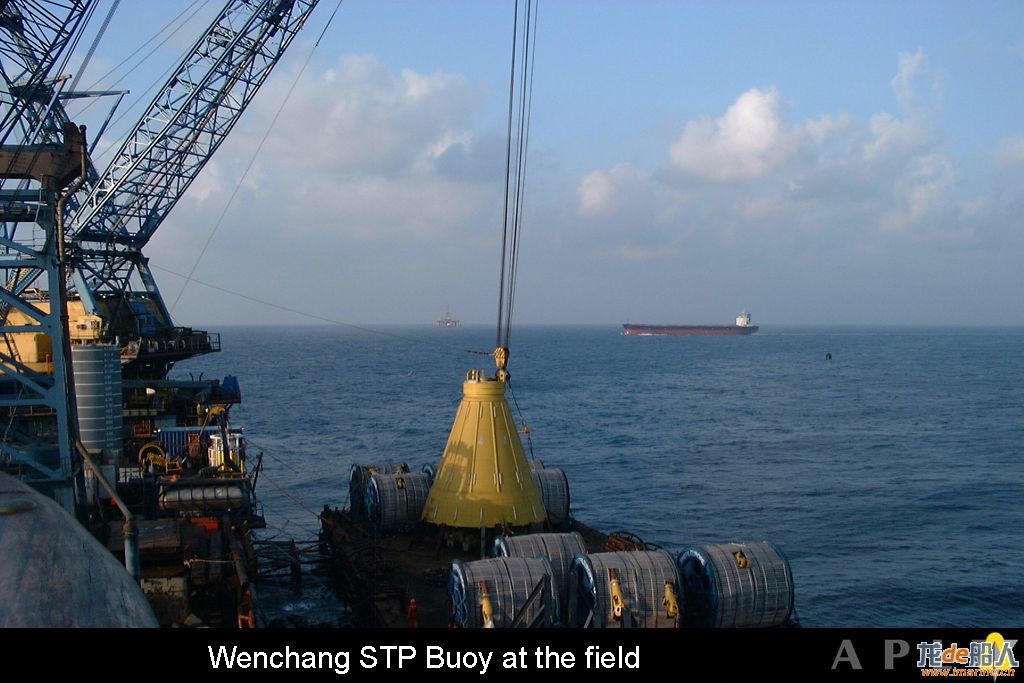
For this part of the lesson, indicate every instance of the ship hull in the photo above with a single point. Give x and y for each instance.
(642, 330)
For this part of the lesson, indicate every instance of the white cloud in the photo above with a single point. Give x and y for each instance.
(893, 136)
(372, 178)
(210, 183)
(367, 118)
(383, 154)
(920, 192)
(914, 79)
(379, 209)
(596, 192)
(599, 191)
(747, 142)
(1010, 151)
(969, 208)
(819, 131)
(750, 177)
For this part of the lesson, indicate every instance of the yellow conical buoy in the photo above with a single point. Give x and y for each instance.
(484, 478)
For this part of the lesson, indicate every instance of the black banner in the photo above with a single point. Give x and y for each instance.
(850, 654)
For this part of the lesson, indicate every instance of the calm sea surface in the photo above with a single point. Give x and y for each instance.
(890, 476)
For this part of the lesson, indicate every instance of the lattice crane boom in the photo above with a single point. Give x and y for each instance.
(182, 128)
(33, 36)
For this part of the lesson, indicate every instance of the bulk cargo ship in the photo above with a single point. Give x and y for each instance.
(742, 326)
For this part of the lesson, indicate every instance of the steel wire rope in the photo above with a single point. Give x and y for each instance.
(526, 108)
(147, 42)
(508, 171)
(92, 47)
(519, 108)
(69, 50)
(289, 495)
(272, 457)
(522, 418)
(315, 316)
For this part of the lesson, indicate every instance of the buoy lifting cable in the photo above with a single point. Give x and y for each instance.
(519, 105)
(522, 419)
(508, 172)
(525, 101)
(290, 496)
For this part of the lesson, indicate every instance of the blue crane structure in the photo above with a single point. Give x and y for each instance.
(38, 150)
(70, 233)
(187, 121)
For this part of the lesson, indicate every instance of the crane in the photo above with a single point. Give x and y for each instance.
(184, 125)
(33, 37)
(44, 154)
(78, 251)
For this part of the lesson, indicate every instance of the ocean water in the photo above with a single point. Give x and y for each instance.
(890, 476)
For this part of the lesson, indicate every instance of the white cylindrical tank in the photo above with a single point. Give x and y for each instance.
(97, 370)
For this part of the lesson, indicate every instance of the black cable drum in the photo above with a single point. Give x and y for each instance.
(558, 549)
(509, 582)
(554, 493)
(645, 578)
(358, 479)
(736, 585)
(394, 502)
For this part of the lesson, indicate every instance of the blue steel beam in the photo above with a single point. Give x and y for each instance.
(34, 35)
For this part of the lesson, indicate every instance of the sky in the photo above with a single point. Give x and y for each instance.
(813, 162)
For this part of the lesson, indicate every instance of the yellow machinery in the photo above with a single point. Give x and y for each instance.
(484, 478)
(35, 349)
(153, 457)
